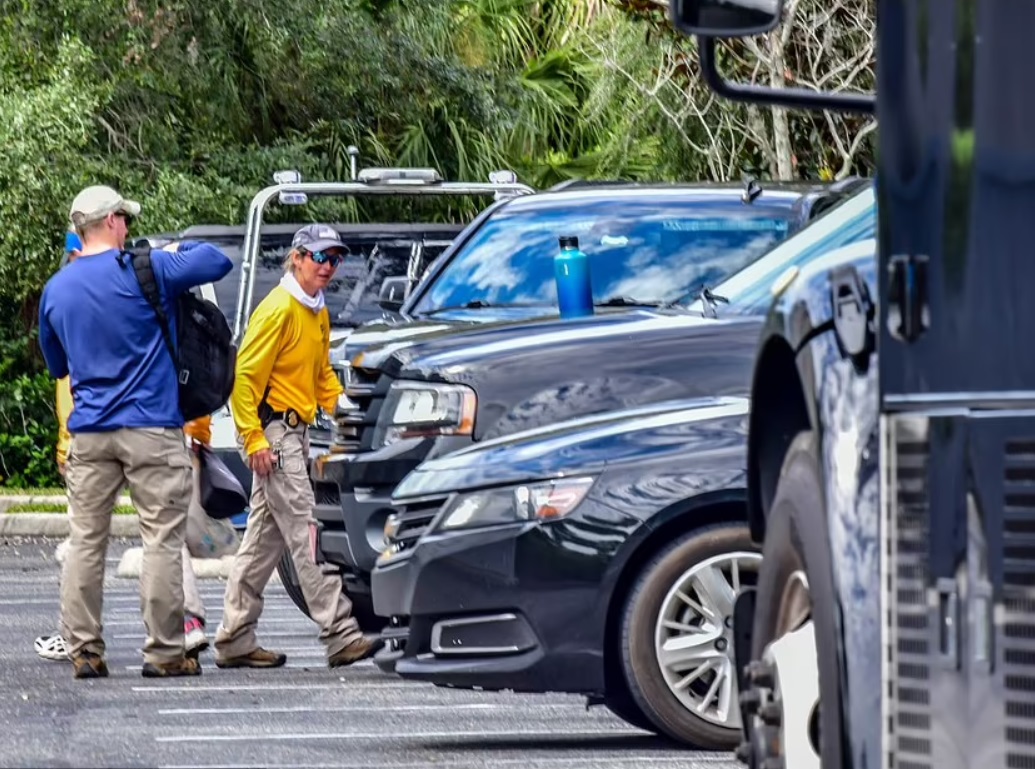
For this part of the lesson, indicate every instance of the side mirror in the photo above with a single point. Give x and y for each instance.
(712, 20)
(393, 293)
(725, 18)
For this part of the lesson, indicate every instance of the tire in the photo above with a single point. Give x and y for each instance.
(622, 705)
(796, 540)
(289, 579)
(648, 687)
(362, 605)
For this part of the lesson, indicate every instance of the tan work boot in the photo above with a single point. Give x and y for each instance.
(360, 649)
(187, 666)
(89, 665)
(256, 658)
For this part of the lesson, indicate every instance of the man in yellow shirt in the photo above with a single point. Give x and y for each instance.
(283, 375)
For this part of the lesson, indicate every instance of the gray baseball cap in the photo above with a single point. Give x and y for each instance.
(95, 203)
(317, 237)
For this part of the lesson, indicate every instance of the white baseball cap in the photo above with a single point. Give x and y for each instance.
(95, 203)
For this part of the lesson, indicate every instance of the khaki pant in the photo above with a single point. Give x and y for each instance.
(199, 544)
(281, 506)
(155, 464)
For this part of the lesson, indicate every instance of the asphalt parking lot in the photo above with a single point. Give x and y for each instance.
(302, 715)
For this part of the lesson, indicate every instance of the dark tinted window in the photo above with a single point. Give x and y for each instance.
(351, 296)
(646, 249)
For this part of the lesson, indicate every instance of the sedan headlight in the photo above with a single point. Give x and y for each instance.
(419, 409)
(545, 501)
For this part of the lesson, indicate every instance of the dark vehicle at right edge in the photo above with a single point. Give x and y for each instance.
(892, 477)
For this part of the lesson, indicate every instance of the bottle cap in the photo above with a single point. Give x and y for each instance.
(569, 241)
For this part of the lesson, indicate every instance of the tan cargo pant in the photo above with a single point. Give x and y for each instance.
(155, 464)
(281, 505)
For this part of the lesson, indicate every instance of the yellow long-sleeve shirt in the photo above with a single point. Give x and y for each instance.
(63, 407)
(285, 348)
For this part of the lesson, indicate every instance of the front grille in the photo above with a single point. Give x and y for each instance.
(908, 653)
(411, 521)
(1018, 630)
(354, 430)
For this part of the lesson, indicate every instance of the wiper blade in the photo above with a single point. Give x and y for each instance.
(475, 304)
(625, 301)
(707, 297)
(711, 302)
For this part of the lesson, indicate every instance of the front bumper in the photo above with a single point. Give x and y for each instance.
(354, 498)
(498, 608)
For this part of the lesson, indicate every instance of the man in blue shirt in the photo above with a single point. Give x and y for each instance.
(97, 327)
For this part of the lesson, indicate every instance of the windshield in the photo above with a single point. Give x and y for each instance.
(749, 291)
(352, 296)
(647, 250)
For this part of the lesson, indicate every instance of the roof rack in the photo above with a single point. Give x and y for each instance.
(752, 189)
(289, 189)
(570, 184)
(848, 183)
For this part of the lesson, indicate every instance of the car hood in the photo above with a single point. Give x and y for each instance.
(457, 344)
(390, 331)
(583, 445)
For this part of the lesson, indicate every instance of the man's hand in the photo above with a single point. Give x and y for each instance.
(62, 469)
(261, 462)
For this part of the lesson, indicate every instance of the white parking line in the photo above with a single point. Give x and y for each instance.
(620, 760)
(364, 709)
(380, 736)
(304, 633)
(344, 685)
(212, 621)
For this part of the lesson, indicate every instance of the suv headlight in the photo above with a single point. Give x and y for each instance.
(419, 409)
(545, 501)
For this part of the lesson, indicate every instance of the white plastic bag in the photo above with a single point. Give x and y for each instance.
(206, 536)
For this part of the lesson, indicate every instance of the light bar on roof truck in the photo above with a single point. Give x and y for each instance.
(502, 177)
(401, 176)
(290, 198)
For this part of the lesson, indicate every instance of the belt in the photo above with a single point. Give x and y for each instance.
(290, 417)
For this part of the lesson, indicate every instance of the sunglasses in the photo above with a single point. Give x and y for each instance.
(127, 217)
(322, 257)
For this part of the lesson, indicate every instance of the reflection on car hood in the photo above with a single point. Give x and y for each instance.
(455, 344)
(383, 332)
(583, 445)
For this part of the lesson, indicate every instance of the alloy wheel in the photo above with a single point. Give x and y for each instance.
(693, 636)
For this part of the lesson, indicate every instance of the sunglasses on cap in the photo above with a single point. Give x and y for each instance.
(323, 257)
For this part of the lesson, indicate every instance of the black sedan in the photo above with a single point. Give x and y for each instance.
(598, 556)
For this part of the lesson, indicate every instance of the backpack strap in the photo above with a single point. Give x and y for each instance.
(141, 260)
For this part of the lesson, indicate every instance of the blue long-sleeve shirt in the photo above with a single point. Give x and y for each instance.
(97, 327)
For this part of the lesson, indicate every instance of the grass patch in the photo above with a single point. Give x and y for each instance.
(7, 491)
(43, 507)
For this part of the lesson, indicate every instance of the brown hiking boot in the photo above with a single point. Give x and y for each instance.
(256, 658)
(187, 666)
(89, 665)
(361, 649)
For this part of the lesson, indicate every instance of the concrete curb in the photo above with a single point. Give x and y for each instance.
(56, 525)
(204, 568)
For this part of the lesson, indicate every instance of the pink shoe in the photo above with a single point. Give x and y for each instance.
(194, 639)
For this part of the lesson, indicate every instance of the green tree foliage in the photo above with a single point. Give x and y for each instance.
(190, 105)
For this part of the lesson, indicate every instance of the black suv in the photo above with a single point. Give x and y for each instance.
(481, 351)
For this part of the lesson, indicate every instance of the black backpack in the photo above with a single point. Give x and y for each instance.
(207, 356)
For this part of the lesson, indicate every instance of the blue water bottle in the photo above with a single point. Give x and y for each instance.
(574, 287)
